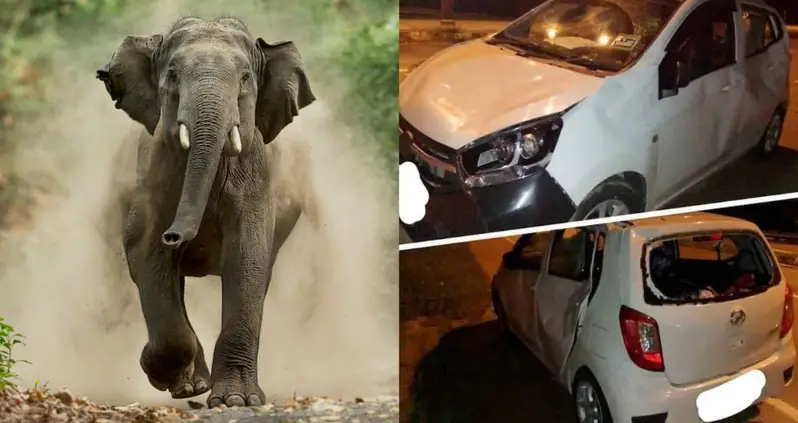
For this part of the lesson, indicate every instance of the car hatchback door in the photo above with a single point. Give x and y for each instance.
(720, 306)
(699, 120)
(561, 294)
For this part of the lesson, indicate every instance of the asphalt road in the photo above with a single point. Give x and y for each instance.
(472, 374)
(749, 177)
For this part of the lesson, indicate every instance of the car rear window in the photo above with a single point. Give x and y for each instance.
(707, 267)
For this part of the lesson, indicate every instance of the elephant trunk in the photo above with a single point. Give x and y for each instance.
(207, 139)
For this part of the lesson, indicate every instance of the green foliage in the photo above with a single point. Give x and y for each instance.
(31, 29)
(368, 54)
(360, 41)
(360, 38)
(8, 340)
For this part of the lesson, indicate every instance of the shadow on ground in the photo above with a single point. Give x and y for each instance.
(476, 375)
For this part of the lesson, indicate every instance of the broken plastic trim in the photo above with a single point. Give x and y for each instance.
(650, 298)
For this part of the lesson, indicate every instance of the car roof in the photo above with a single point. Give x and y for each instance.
(654, 227)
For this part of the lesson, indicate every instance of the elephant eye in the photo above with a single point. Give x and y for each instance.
(171, 75)
(245, 77)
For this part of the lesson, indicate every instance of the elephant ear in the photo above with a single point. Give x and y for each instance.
(284, 88)
(129, 79)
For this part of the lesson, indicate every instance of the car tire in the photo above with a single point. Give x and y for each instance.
(614, 191)
(585, 379)
(773, 133)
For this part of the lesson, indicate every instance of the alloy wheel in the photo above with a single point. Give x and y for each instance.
(608, 208)
(588, 408)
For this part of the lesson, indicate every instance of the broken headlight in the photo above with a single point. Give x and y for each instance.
(509, 154)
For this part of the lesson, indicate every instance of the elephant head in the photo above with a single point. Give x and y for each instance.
(211, 88)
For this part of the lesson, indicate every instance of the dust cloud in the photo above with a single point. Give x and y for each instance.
(331, 316)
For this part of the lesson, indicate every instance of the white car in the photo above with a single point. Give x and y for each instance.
(666, 320)
(586, 109)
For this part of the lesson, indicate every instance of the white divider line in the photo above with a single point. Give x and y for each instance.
(601, 221)
(784, 408)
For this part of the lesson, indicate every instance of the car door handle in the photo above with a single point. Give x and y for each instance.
(727, 87)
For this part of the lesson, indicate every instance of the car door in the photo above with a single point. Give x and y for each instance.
(765, 68)
(698, 126)
(516, 283)
(561, 294)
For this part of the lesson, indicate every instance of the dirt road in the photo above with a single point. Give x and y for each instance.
(62, 406)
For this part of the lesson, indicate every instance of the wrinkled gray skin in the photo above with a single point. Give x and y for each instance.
(208, 210)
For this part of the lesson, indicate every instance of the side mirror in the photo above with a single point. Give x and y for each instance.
(673, 74)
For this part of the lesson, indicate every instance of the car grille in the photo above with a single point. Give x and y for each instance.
(435, 178)
(427, 144)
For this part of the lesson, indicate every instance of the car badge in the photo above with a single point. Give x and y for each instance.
(737, 317)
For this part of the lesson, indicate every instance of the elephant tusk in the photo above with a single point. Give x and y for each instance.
(184, 139)
(235, 139)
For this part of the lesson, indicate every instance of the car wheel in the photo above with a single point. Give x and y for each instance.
(610, 199)
(770, 139)
(591, 406)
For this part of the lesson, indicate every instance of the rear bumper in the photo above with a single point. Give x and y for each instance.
(637, 398)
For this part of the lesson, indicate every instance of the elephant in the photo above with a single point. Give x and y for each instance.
(211, 98)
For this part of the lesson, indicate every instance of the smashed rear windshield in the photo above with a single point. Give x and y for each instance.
(707, 267)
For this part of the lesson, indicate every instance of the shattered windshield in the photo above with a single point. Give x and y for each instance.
(596, 34)
(708, 268)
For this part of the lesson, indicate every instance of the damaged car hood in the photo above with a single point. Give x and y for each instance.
(475, 88)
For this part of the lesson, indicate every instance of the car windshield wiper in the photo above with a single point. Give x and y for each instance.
(529, 49)
(586, 62)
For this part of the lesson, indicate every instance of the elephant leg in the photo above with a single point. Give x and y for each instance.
(246, 274)
(287, 218)
(194, 380)
(172, 346)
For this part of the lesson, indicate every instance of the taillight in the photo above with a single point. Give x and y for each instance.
(788, 315)
(641, 339)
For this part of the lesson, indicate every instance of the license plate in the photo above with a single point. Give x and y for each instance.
(730, 398)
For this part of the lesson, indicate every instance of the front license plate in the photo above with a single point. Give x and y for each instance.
(730, 398)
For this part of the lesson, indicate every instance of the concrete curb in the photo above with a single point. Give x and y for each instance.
(456, 35)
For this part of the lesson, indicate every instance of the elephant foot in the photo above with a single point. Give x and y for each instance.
(232, 392)
(193, 381)
(176, 366)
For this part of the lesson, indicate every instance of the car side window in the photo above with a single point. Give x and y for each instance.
(705, 40)
(532, 248)
(571, 253)
(759, 31)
